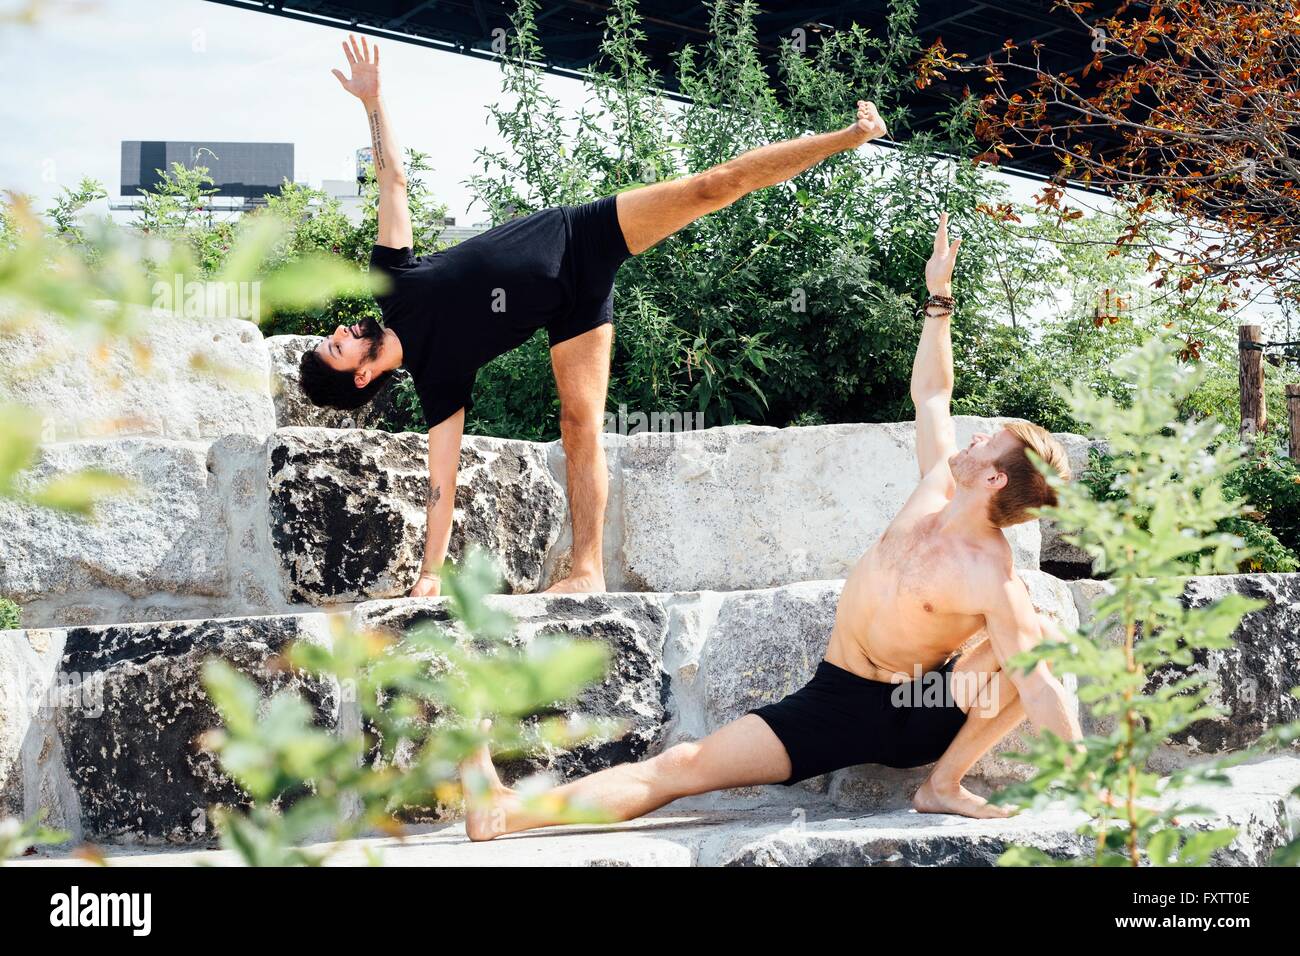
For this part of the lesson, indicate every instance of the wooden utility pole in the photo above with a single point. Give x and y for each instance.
(1293, 420)
(1254, 414)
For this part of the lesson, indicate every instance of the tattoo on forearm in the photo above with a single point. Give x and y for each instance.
(435, 496)
(377, 141)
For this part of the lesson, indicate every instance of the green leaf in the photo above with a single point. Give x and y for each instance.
(80, 492)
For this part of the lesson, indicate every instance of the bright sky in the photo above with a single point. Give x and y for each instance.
(192, 70)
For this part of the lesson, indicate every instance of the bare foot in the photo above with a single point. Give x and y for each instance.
(958, 800)
(487, 799)
(578, 584)
(867, 126)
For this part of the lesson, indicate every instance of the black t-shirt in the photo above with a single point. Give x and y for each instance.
(458, 309)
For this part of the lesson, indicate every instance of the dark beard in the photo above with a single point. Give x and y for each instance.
(373, 333)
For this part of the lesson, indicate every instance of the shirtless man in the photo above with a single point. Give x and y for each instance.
(448, 314)
(939, 575)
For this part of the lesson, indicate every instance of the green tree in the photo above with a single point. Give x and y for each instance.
(794, 304)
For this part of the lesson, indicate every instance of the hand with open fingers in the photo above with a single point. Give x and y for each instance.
(364, 62)
(938, 270)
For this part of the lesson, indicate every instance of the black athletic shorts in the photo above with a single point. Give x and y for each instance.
(839, 719)
(597, 248)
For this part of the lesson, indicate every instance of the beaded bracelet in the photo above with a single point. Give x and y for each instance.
(946, 303)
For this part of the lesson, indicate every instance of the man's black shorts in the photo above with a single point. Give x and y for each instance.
(839, 719)
(598, 248)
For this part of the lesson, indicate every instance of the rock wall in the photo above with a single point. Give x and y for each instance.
(305, 517)
(252, 511)
(181, 378)
(1252, 680)
(249, 500)
(101, 726)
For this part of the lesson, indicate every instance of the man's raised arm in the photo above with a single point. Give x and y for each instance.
(394, 213)
(932, 376)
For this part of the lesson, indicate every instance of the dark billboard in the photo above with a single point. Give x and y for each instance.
(251, 170)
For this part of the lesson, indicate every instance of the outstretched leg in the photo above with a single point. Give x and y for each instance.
(993, 710)
(581, 366)
(653, 213)
(743, 753)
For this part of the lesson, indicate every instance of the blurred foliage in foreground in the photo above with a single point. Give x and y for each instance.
(1161, 525)
(427, 694)
(102, 283)
(17, 837)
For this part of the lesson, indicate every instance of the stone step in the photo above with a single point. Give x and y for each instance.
(252, 501)
(99, 725)
(312, 517)
(179, 378)
(1258, 805)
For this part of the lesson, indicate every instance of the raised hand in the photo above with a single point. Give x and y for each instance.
(868, 125)
(364, 62)
(938, 270)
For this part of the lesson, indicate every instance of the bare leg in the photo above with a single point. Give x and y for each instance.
(652, 213)
(581, 366)
(993, 710)
(743, 753)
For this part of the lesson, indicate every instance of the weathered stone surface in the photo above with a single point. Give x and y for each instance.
(238, 465)
(1254, 679)
(183, 378)
(683, 664)
(32, 775)
(1251, 681)
(165, 536)
(347, 510)
(509, 504)
(1258, 805)
(762, 646)
(745, 507)
(189, 540)
(292, 406)
(634, 690)
(249, 525)
(131, 730)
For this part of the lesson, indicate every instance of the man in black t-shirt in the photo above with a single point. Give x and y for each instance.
(448, 314)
